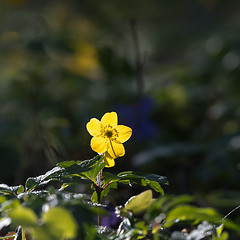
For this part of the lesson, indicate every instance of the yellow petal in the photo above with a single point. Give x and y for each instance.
(110, 118)
(99, 144)
(124, 133)
(109, 160)
(116, 149)
(94, 127)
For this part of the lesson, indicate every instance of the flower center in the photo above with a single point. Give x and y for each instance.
(109, 132)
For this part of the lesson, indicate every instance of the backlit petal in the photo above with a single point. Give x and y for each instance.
(109, 160)
(94, 127)
(116, 149)
(99, 144)
(110, 118)
(124, 133)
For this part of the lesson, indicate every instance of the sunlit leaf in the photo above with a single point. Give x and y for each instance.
(10, 204)
(22, 216)
(219, 229)
(43, 233)
(139, 203)
(94, 197)
(2, 199)
(177, 200)
(60, 222)
(191, 213)
(223, 236)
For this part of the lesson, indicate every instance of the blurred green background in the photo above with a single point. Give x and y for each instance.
(170, 69)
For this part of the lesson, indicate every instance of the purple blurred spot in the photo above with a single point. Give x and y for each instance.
(138, 117)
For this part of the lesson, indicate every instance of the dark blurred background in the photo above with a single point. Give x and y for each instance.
(170, 69)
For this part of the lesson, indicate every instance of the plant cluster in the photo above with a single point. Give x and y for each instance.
(54, 206)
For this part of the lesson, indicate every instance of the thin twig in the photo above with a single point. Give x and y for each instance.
(236, 208)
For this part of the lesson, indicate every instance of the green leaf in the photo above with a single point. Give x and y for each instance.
(2, 199)
(164, 203)
(5, 189)
(94, 197)
(139, 203)
(177, 201)
(22, 216)
(104, 192)
(142, 228)
(60, 222)
(151, 180)
(32, 182)
(191, 213)
(156, 208)
(20, 189)
(223, 236)
(67, 172)
(108, 177)
(219, 229)
(98, 165)
(73, 180)
(231, 225)
(107, 189)
(128, 175)
(10, 204)
(43, 233)
(66, 164)
(78, 167)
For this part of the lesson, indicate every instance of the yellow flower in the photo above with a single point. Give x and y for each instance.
(109, 160)
(108, 136)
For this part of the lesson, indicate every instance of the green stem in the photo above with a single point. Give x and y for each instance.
(99, 218)
(98, 191)
(23, 234)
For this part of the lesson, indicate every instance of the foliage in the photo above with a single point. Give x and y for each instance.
(169, 68)
(42, 210)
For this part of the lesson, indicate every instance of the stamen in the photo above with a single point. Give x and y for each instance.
(109, 132)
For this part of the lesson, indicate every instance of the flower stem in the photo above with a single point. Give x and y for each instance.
(99, 219)
(98, 191)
